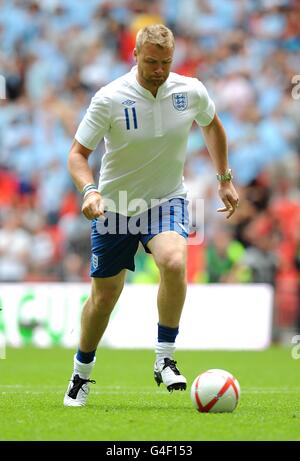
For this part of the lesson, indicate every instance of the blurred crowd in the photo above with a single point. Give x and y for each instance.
(54, 55)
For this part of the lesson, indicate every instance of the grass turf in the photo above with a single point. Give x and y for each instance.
(126, 403)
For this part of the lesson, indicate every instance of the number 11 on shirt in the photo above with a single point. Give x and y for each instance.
(127, 118)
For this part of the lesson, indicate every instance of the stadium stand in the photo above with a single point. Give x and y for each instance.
(54, 55)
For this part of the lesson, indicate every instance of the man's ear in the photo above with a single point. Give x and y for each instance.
(135, 53)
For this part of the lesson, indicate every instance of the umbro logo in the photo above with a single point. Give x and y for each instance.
(128, 102)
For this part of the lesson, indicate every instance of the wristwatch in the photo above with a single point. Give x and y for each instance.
(226, 176)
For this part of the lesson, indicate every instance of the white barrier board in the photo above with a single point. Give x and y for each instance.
(233, 317)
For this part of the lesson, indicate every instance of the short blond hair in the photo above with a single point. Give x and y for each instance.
(156, 34)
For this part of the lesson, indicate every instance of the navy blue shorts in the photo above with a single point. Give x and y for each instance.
(115, 238)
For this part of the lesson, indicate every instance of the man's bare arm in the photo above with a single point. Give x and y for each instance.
(78, 166)
(82, 175)
(216, 142)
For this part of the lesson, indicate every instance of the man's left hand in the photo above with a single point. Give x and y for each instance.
(229, 197)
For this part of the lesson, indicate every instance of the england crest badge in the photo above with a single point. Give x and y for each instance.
(180, 101)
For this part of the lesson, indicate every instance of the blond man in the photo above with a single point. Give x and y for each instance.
(144, 117)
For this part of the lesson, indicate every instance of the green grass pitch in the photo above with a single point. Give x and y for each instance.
(126, 404)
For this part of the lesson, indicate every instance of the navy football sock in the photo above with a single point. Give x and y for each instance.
(85, 357)
(167, 334)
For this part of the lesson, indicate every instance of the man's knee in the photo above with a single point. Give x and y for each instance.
(172, 262)
(105, 296)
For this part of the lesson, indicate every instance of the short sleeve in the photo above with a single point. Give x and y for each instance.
(96, 122)
(205, 105)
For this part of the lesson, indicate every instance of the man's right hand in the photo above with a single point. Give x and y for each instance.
(93, 207)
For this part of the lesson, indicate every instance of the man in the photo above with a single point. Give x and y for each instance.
(145, 117)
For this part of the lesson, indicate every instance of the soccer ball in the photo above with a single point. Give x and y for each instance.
(215, 391)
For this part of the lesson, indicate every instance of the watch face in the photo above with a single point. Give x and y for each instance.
(225, 177)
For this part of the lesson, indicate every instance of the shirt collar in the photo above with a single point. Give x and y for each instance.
(143, 90)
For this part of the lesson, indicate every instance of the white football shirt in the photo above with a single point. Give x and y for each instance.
(145, 137)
